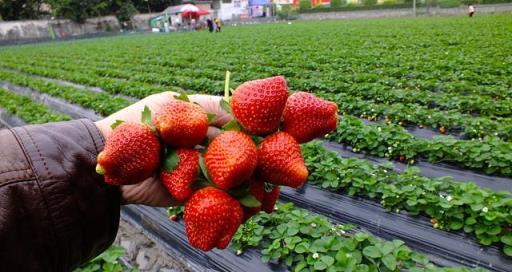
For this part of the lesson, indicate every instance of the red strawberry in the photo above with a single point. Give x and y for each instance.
(270, 199)
(181, 124)
(131, 154)
(307, 117)
(280, 161)
(231, 159)
(256, 189)
(258, 105)
(179, 180)
(212, 217)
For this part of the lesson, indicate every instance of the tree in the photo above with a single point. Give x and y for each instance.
(126, 11)
(19, 9)
(304, 4)
(79, 10)
(336, 3)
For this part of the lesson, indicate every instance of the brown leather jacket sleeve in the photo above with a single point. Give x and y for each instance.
(55, 211)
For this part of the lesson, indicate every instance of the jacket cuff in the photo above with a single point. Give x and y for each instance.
(82, 210)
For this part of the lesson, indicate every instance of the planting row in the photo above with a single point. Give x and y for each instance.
(413, 114)
(307, 242)
(456, 73)
(101, 103)
(490, 154)
(201, 79)
(451, 205)
(453, 121)
(31, 112)
(437, 190)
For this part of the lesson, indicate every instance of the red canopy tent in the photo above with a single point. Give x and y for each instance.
(192, 11)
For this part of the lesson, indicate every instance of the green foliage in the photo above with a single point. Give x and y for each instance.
(100, 102)
(337, 3)
(79, 10)
(304, 4)
(126, 11)
(18, 9)
(107, 261)
(306, 242)
(490, 154)
(31, 112)
(415, 114)
(369, 2)
(451, 205)
(287, 12)
(449, 3)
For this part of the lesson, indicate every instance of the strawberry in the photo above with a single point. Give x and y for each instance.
(270, 199)
(256, 189)
(211, 218)
(280, 161)
(307, 117)
(178, 181)
(231, 159)
(258, 105)
(181, 124)
(131, 154)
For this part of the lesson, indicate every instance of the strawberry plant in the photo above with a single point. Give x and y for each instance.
(490, 154)
(31, 112)
(451, 205)
(306, 242)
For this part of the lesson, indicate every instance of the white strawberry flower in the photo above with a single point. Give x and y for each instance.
(315, 255)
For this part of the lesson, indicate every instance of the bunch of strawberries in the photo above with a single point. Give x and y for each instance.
(226, 181)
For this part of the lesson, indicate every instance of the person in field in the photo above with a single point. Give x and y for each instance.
(56, 213)
(218, 23)
(471, 10)
(209, 24)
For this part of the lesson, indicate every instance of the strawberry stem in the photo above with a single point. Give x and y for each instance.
(226, 86)
(100, 170)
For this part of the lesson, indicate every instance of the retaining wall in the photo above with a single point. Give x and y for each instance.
(402, 12)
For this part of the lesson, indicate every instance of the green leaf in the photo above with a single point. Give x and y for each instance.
(390, 262)
(301, 265)
(204, 170)
(172, 159)
(328, 260)
(257, 139)
(507, 250)
(371, 252)
(182, 96)
(387, 248)
(341, 256)
(232, 125)
(116, 124)
(319, 265)
(211, 117)
(225, 105)
(249, 201)
(302, 247)
(507, 239)
(456, 225)
(146, 118)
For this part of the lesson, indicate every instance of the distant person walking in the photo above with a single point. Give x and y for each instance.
(218, 23)
(471, 10)
(209, 23)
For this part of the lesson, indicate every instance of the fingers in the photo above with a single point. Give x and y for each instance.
(132, 113)
(211, 104)
(150, 192)
(213, 132)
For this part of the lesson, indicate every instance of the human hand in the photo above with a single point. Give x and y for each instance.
(151, 191)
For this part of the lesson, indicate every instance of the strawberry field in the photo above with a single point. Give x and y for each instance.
(417, 176)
